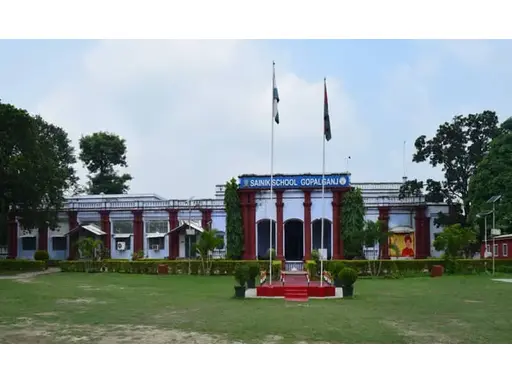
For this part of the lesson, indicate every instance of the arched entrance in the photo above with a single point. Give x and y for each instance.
(317, 235)
(294, 239)
(263, 236)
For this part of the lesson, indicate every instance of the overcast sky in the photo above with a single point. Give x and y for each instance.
(196, 113)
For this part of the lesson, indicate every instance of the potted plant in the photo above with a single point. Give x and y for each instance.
(336, 268)
(347, 277)
(241, 277)
(253, 273)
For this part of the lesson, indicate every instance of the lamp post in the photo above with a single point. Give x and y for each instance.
(494, 231)
(189, 231)
(484, 215)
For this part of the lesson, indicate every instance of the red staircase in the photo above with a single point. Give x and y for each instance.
(294, 293)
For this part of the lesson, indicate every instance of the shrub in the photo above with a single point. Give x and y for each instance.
(41, 255)
(176, 267)
(241, 274)
(254, 270)
(22, 265)
(347, 276)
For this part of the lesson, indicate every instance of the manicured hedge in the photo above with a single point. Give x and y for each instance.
(415, 267)
(176, 267)
(22, 265)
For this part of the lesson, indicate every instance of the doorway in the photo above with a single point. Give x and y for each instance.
(294, 240)
(264, 243)
(317, 237)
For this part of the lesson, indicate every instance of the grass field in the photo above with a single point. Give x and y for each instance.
(122, 308)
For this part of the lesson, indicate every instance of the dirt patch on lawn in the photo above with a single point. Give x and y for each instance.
(26, 330)
(81, 300)
(421, 333)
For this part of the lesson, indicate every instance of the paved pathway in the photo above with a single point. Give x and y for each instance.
(28, 275)
(504, 280)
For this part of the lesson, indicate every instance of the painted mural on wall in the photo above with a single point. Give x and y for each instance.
(405, 244)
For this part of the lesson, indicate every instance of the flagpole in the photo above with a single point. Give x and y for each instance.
(323, 214)
(272, 169)
(323, 193)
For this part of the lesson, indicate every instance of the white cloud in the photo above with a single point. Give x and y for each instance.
(196, 113)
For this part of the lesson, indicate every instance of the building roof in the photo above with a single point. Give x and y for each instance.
(94, 229)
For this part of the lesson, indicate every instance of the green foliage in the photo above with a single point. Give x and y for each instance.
(139, 255)
(493, 176)
(254, 270)
(458, 147)
(266, 256)
(22, 265)
(454, 240)
(242, 274)
(415, 188)
(89, 248)
(234, 224)
(176, 267)
(36, 169)
(352, 222)
(208, 241)
(41, 255)
(347, 276)
(100, 153)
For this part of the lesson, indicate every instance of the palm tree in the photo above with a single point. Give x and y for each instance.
(89, 250)
(208, 241)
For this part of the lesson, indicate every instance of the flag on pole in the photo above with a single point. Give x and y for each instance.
(275, 97)
(327, 120)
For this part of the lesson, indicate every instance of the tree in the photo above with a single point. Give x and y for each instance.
(100, 153)
(458, 147)
(373, 234)
(455, 241)
(493, 176)
(352, 222)
(207, 243)
(36, 168)
(234, 224)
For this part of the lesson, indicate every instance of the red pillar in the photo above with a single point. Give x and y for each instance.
(422, 232)
(73, 238)
(307, 224)
(252, 224)
(105, 227)
(206, 218)
(336, 221)
(138, 231)
(279, 224)
(174, 237)
(12, 236)
(384, 219)
(42, 243)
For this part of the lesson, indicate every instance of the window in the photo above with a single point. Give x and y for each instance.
(220, 235)
(126, 241)
(157, 226)
(28, 243)
(495, 250)
(505, 249)
(59, 243)
(122, 226)
(488, 248)
(160, 241)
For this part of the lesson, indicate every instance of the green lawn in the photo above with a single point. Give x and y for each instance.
(119, 308)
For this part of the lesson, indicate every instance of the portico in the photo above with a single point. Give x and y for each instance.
(296, 214)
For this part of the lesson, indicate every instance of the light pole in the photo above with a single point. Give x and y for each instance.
(189, 230)
(484, 215)
(494, 232)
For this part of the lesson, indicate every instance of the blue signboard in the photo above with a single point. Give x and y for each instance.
(295, 181)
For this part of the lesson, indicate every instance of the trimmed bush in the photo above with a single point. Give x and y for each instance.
(176, 267)
(347, 277)
(41, 255)
(390, 268)
(22, 265)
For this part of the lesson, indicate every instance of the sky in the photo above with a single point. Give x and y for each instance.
(195, 113)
